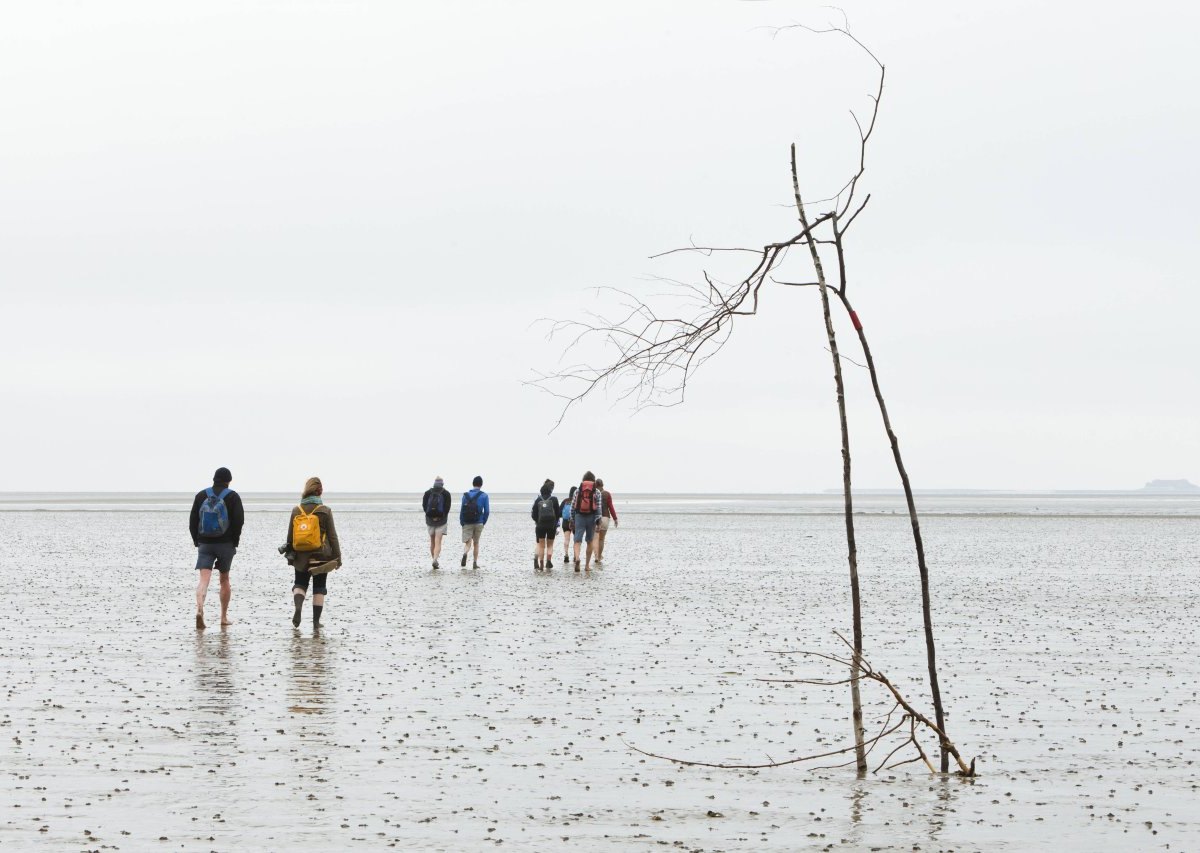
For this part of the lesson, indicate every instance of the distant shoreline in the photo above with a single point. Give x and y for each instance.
(823, 493)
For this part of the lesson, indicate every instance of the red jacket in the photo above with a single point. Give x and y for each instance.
(607, 508)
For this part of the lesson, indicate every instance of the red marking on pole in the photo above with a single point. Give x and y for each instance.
(854, 319)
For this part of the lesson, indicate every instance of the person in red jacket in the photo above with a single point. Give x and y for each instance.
(608, 516)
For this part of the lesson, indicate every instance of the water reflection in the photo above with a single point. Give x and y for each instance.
(309, 689)
(215, 720)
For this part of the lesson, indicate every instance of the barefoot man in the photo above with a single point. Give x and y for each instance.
(216, 525)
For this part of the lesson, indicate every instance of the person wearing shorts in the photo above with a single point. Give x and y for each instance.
(436, 506)
(568, 525)
(585, 510)
(215, 523)
(608, 518)
(473, 516)
(313, 565)
(545, 515)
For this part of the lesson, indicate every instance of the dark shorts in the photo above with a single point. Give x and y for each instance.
(218, 553)
(568, 526)
(318, 581)
(545, 531)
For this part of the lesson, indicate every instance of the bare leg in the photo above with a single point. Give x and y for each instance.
(475, 556)
(577, 553)
(591, 547)
(433, 545)
(437, 545)
(600, 531)
(226, 594)
(201, 592)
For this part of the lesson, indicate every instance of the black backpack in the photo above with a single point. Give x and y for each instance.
(470, 508)
(546, 513)
(436, 508)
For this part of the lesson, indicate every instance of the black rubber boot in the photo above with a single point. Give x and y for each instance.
(298, 597)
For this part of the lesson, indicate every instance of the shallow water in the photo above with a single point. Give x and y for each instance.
(464, 710)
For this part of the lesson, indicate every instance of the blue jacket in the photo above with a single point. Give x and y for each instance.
(482, 503)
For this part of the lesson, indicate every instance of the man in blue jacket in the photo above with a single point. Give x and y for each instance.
(473, 515)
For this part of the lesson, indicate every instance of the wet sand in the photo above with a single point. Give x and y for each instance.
(463, 710)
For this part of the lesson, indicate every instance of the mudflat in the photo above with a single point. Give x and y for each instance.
(473, 710)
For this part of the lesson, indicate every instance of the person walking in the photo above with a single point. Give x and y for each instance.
(585, 510)
(568, 525)
(313, 537)
(608, 518)
(216, 522)
(473, 516)
(436, 505)
(545, 515)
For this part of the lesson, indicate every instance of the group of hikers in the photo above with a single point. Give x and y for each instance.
(585, 515)
(313, 550)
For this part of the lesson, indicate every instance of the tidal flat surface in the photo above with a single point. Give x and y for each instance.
(475, 710)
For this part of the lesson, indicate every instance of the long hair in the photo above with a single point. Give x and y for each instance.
(312, 486)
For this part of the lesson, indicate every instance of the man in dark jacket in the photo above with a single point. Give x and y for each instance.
(436, 506)
(216, 526)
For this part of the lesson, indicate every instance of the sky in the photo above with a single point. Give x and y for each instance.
(298, 238)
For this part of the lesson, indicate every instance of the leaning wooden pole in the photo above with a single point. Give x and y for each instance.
(922, 568)
(860, 752)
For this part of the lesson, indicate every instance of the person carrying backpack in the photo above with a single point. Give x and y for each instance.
(216, 523)
(436, 506)
(545, 514)
(313, 538)
(585, 510)
(568, 524)
(473, 515)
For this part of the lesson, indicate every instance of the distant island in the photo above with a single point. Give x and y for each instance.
(1171, 486)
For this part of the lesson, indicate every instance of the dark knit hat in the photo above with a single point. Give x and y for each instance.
(222, 475)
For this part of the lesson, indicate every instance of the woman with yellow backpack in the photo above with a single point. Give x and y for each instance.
(313, 538)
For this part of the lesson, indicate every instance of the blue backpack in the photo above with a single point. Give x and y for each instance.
(566, 512)
(214, 517)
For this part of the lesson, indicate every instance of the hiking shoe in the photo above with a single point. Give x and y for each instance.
(549, 564)
(435, 564)
(474, 565)
(537, 564)
(577, 566)
(463, 563)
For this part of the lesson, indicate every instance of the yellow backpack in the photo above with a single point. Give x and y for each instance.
(306, 531)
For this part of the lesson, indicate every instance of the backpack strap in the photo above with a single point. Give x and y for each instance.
(210, 492)
(302, 511)
(224, 493)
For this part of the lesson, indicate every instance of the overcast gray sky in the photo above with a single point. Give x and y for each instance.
(303, 238)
